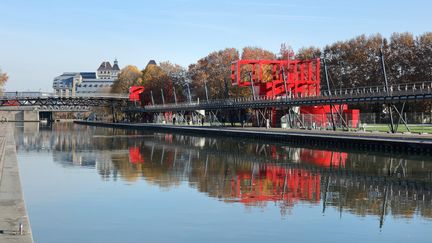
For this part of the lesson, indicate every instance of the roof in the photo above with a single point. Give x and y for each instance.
(88, 75)
(152, 62)
(67, 74)
(115, 67)
(105, 66)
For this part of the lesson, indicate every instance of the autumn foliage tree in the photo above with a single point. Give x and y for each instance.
(423, 45)
(176, 75)
(3, 79)
(356, 62)
(306, 53)
(256, 53)
(286, 52)
(155, 81)
(160, 81)
(214, 71)
(128, 76)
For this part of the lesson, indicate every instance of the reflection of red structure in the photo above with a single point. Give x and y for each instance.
(135, 156)
(323, 158)
(303, 80)
(134, 93)
(255, 183)
(275, 183)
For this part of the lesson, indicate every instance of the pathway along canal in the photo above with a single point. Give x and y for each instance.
(92, 184)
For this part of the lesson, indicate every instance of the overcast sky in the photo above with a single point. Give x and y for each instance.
(42, 39)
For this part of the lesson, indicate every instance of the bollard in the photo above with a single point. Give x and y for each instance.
(20, 228)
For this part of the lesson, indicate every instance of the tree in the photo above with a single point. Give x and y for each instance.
(3, 80)
(160, 80)
(423, 62)
(256, 53)
(355, 62)
(128, 76)
(286, 52)
(152, 79)
(308, 53)
(177, 75)
(214, 71)
(401, 58)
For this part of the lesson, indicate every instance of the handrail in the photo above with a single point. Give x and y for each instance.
(400, 89)
(45, 95)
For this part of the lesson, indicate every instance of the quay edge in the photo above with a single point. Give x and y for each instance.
(325, 139)
(12, 206)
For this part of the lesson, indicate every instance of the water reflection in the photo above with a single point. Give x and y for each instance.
(246, 171)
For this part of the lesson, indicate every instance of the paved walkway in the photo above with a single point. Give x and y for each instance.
(12, 207)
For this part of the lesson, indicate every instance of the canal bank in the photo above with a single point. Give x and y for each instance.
(326, 139)
(14, 221)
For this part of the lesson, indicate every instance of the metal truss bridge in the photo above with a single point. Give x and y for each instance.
(53, 102)
(378, 94)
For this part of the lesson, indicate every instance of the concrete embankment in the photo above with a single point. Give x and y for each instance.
(325, 139)
(14, 222)
(19, 114)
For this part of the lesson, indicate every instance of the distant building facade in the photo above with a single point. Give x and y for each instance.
(106, 71)
(75, 83)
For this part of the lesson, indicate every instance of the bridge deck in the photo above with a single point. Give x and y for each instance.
(379, 94)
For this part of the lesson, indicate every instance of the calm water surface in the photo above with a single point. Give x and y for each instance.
(87, 184)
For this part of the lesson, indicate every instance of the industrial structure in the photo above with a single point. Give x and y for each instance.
(288, 79)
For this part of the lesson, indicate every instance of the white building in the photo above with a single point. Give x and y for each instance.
(73, 83)
(94, 86)
(106, 71)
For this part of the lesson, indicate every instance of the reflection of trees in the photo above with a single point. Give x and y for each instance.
(238, 173)
(386, 197)
(247, 171)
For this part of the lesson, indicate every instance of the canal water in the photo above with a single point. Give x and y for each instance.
(89, 184)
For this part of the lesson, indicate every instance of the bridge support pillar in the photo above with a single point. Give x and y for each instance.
(44, 115)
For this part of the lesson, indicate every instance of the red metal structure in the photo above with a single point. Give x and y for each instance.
(134, 93)
(302, 77)
(288, 78)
